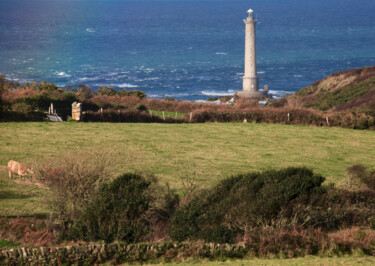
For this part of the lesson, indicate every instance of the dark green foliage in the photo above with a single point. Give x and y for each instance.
(71, 97)
(117, 212)
(242, 202)
(111, 91)
(44, 86)
(141, 108)
(22, 117)
(137, 93)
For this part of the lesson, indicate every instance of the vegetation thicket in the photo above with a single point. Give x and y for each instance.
(285, 211)
(344, 99)
(243, 203)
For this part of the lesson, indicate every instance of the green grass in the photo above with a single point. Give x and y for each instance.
(208, 152)
(4, 244)
(169, 114)
(308, 260)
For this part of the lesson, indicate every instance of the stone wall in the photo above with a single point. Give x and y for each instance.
(120, 253)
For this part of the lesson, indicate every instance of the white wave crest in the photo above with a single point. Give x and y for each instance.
(90, 30)
(147, 79)
(123, 85)
(278, 93)
(218, 93)
(89, 79)
(221, 53)
(63, 74)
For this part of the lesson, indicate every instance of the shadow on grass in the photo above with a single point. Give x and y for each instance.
(12, 195)
(41, 216)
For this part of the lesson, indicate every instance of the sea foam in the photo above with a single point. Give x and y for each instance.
(218, 93)
(63, 74)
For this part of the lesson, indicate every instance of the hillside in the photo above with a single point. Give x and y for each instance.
(349, 89)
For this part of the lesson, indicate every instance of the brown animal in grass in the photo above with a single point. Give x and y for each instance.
(18, 168)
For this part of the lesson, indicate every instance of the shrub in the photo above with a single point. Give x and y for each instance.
(242, 203)
(73, 183)
(361, 173)
(141, 108)
(117, 212)
(339, 209)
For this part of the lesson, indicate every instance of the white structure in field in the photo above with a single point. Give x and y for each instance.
(250, 78)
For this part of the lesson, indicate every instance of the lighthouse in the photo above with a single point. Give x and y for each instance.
(250, 78)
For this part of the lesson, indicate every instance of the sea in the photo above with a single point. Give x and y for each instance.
(185, 49)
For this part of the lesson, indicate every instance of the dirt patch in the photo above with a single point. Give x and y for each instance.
(26, 231)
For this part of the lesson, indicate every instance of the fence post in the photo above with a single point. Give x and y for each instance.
(101, 111)
(191, 116)
(176, 115)
(288, 117)
(151, 113)
(163, 116)
(327, 120)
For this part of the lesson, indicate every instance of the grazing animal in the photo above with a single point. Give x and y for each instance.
(18, 168)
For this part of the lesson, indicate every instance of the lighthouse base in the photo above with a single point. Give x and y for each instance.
(250, 94)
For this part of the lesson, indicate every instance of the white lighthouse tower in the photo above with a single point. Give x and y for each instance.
(250, 78)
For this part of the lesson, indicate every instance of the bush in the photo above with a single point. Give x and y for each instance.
(117, 212)
(73, 182)
(242, 203)
(361, 173)
(141, 108)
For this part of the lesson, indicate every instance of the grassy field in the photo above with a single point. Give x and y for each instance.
(207, 152)
(309, 260)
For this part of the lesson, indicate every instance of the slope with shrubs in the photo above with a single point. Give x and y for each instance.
(343, 90)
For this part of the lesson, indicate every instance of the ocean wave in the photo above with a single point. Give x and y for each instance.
(89, 79)
(123, 85)
(63, 74)
(147, 79)
(298, 76)
(221, 53)
(111, 74)
(90, 30)
(278, 93)
(169, 95)
(261, 72)
(218, 93)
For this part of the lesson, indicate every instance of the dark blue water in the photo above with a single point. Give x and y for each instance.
(185, 49)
